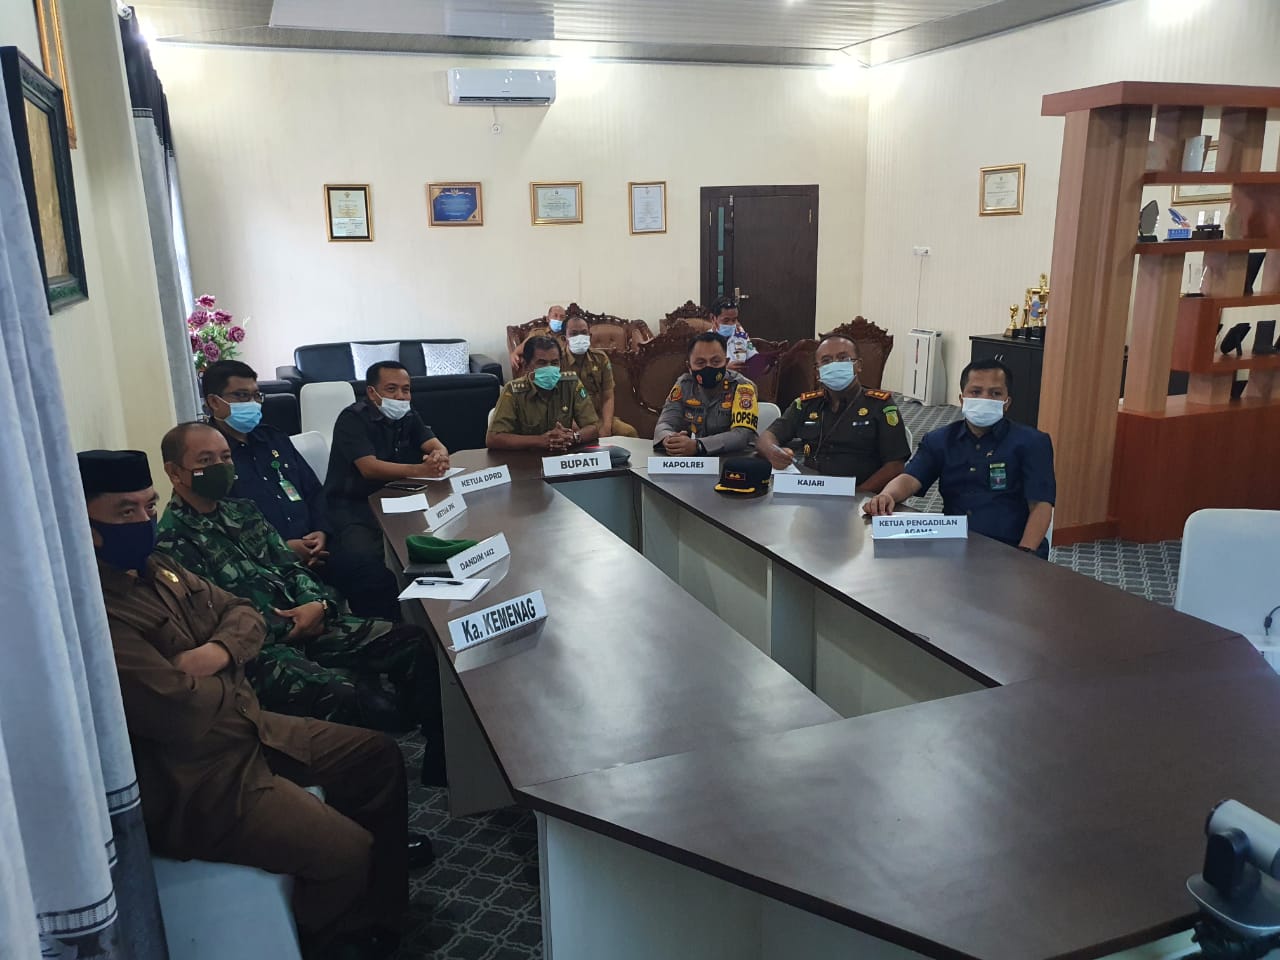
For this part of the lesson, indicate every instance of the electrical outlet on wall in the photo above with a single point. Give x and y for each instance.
(920, 251)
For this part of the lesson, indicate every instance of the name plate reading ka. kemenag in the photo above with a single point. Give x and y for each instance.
(517, 615)
(492, 477)
(684, 465)
(483, 554)
(571, 463)
(445, 511)
(919, 526)
(810, 483)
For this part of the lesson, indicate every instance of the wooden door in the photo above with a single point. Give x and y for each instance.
(762, 244)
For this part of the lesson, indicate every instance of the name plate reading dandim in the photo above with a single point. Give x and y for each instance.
(808, 483)
(919, 526)
(517, 615)
(483, 554)
(470, 482)
(571, 463)
(684, 465)
(445, 511)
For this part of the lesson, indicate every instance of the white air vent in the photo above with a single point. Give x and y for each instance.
(530, 88)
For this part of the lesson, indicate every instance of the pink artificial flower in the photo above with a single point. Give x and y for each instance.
(196, 343)
(211, 351)
(221, 317)
(207, 301)
(197, 319)
(236, 334)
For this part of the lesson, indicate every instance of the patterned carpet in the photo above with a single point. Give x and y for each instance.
(479, 901)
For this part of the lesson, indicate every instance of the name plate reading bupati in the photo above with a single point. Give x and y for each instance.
(492, 477)
(684, 465)
(808, 483)
(571, 463)
(517, 614)
(445, 511)
(483, 554)
(919, 526)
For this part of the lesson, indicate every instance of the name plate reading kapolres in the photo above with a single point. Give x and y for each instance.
(471, 482)
(514, 617)
(684, 465)
(483, 554)
(446, 510)
(919, 526)
(808, 483)
(571, 463)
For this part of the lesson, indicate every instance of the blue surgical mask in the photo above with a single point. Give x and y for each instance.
(546, 378)
(244, 416)
(837, 375)
(982, 412)
(126, 546)
(727, 330)
(557, 326)
(394, 409)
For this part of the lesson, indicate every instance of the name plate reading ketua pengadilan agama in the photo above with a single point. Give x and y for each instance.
(684, 465)
(919, 526)
(511, 618)
(570, 463)
(490, 477)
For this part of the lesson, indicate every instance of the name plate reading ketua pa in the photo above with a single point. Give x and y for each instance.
(471, 482)
(809, 483)
(571, 463)
(512, 618)
(483, 554)
(446, 510)
(684, 465)
(919, 526)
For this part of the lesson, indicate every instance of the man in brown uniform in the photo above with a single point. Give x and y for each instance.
(595, 373)
(222, 779)
(538, 411)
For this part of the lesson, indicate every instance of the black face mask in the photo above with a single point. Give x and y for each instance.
(709, 377)
(126, 546)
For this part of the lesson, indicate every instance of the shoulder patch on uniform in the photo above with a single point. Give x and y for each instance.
(811, 395)
(891, 415)
(880, 394)
(675, 394)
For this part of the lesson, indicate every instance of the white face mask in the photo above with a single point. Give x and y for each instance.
(982, 412)
(394, 409)
(580, 344)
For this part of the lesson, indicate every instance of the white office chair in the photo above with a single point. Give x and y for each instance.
(1230, 573)
(321, 403)
(491, 411)
(315, 450)
(911, 437)
(769, 412)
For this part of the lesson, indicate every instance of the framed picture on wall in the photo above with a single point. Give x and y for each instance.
(55, 65)
(459, 204)
(39, 123)
(1000, 190)
(647, 206)
(555, 202)
(1204, 192)
(348, 211)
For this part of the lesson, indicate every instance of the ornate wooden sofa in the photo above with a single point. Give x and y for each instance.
(797, 375)
(607, 331)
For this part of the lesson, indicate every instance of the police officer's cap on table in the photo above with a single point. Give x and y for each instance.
(113, 471)
(745, 477)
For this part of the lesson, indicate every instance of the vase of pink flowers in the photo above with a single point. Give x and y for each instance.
(213, 334)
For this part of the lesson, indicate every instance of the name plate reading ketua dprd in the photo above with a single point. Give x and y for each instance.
(471, 482)
(684, 465)
(484, 554)
(571, 463)
(919, 526)
(512, 618)
(810, 483)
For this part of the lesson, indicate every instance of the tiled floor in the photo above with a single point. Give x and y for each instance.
(479, 901)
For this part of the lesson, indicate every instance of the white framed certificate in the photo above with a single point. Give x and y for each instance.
(647, 203)
(1000, 190)
(347, 211)
(556, 202)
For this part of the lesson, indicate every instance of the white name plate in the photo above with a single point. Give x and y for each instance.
(684, 465)
(445, 511)
(808, 483)
(492, 477)
(572, 463)
(516, 614)
(483, 554)
(919, 526)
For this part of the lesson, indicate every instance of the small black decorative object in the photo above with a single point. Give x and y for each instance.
(1147, 221)
(1263, 338)
(1234, 340)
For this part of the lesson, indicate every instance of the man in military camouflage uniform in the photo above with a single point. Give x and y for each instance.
(843, 429)
(595, 372)
(315, 661)
(538, 411)
(711, 410)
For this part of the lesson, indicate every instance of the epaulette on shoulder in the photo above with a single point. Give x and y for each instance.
(519, 385)
(811, 395)
(569, 375)
(880, 394)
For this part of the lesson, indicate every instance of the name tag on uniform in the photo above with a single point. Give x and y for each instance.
(515, 617)
(483, 554)
(571, 463)
(470, 482)
(446, 511)
(919, 526)
(808, 483)
(684, 465)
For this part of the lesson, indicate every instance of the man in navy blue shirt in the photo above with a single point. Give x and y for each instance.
(996, 472)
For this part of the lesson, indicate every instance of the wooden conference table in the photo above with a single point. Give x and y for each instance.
(750, 732)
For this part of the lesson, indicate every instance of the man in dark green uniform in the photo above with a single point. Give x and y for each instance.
(538, 411)
(711, 410)
(595, 372)
(843, 429)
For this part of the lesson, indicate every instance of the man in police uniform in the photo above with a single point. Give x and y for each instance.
(843, 429)
(996, 472)
(711, 410)
(547, 409)
(595, 372)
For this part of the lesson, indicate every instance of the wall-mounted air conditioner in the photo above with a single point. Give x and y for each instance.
(520, 88)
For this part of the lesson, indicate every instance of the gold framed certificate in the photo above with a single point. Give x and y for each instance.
(458, 204)
(1000, 190)
(555, 202)
(647, 206)
(347, 211)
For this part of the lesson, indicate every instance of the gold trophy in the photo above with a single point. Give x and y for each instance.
(1037, 308)
(1012, 330)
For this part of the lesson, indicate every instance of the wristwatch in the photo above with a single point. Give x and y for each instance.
(577, 438)
(1025, 549)
(701, 448)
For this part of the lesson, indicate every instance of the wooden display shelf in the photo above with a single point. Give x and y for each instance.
(1189, 178)
(1174, 248)
(1195, 338)
(1249, 300)
(1130, 93)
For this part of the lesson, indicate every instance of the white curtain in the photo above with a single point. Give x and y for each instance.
(75, 872)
